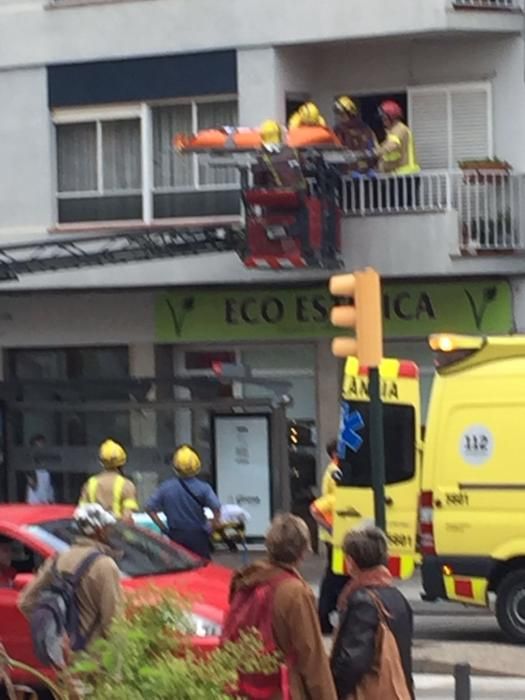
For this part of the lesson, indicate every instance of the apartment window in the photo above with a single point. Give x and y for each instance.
(120, 164)
(451, 123)
(99, 170)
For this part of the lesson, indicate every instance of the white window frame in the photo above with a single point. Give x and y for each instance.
(449, 89)
(143, 111)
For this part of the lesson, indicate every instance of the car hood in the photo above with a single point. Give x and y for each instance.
(207, 587)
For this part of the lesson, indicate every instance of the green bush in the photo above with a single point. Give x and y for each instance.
(147, 656)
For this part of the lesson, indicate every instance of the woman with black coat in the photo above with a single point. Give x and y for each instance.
(370, 589)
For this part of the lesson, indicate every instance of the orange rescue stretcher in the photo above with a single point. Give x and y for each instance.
(244, 139)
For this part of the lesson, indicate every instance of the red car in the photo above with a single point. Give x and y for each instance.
(38, 532)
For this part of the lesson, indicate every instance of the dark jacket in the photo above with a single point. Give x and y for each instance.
(355, 643)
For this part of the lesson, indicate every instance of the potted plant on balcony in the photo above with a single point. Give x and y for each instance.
(485, 170)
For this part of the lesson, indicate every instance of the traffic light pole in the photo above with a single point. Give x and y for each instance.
(377, 447)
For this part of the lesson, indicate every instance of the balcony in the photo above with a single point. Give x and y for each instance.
(436, 222)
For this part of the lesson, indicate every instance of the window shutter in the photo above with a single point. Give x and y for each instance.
(429, 124)
(470, 125)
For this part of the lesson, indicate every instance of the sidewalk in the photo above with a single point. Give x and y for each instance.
(436, 687)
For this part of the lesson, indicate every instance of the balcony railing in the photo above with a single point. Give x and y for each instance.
(490, 206)
(489, 4)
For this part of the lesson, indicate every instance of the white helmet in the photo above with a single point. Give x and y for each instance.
(92, 517)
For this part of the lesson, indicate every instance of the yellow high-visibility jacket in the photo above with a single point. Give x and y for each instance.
(397, 153)
(113, 492)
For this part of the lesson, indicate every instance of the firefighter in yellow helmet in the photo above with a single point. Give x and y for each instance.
(308, 114)
(110, 488)
(278, 165)
(355, 135)
(183, 499)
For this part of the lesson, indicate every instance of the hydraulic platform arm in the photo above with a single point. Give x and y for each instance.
(57, 253)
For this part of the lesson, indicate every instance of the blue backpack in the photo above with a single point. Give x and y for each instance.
(56, 615)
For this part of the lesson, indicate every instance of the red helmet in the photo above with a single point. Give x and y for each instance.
(391, 109)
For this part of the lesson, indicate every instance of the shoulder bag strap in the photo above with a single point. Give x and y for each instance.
(190, 493)
(84, 566)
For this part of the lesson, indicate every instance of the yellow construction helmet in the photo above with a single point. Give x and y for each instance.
(346, 105)
(112, 455)
(310, 114)
(271, 132)
(186, 461)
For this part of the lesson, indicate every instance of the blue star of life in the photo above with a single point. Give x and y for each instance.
(351, 423)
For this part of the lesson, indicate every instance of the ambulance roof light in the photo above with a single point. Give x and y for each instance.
(446, 342)
(451, 348)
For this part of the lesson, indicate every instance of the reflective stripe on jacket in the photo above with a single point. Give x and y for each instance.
(113, 492)
(398, 151)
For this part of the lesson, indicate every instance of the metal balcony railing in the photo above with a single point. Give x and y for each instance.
(490, 204)
(489, 4)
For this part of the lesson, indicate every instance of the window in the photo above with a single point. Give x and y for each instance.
(400, 446)
(120, 164)
(99, 170)
(451, 123)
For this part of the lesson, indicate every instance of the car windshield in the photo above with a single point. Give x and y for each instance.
(139, 553)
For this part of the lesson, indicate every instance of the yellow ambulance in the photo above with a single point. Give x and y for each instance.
(460, 502)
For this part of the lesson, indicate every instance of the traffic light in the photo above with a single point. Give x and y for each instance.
(365, 316)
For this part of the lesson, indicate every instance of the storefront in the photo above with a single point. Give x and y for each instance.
(89, 349)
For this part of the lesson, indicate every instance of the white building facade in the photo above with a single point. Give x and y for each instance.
(92, 92)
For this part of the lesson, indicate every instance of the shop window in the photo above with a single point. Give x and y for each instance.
(197, 360)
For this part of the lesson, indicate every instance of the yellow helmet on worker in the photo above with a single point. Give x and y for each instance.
(186, 461)
(345, 105)
(310, 114)
(271, 133)
(112, 455)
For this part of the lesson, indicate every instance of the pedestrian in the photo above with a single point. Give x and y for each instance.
(98, 597)
(372, 652)
(332, 584)
(356, 135)
(272, 597)
(183, 499)
(39, 488)
(110, 488)
(308, 114)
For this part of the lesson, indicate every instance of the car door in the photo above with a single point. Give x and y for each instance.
(27, 556)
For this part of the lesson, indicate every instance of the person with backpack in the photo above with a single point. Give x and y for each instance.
(183, 499)
(272, 597)
(372, 651)
(75, 596)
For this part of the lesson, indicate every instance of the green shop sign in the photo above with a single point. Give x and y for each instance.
(276, 313)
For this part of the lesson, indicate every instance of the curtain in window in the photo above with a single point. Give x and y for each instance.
(77, 157)
(121, 155)
(171, 169)
(216, 114)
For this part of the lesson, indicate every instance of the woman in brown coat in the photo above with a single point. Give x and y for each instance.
(294, 620)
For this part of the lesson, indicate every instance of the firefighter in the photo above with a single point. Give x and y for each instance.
(332, 584)
(183, 500)
(397, 153)
(308, 114)
(110, 488)
(355, 134)
(279, 165)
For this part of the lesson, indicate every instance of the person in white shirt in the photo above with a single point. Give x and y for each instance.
(39, 486)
